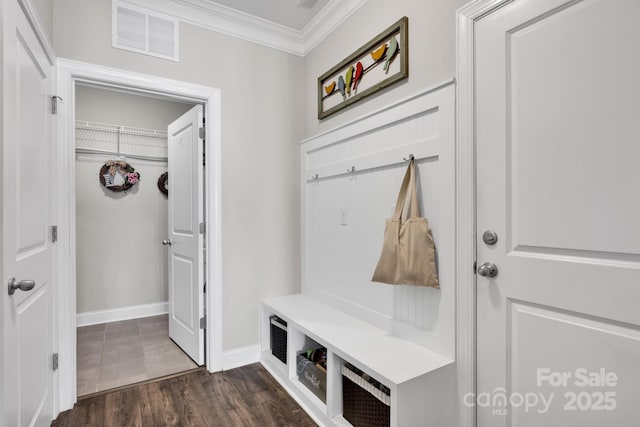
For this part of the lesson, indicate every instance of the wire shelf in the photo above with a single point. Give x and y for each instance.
(104, 138)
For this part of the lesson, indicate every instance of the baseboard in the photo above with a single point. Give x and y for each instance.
(240, 356)
(124, 313)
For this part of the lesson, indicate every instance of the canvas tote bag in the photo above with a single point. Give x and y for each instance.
(408, 251)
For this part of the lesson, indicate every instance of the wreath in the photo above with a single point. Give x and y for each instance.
(163, 183)
(118, 176)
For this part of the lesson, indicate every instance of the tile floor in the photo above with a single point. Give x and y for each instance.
(119, 353)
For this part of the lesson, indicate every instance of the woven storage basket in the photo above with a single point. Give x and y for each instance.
(279, 338)
(364, 405)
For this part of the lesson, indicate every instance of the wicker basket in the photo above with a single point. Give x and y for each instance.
(279, 338)
(364, 404)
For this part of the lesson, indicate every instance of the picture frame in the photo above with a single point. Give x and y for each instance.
(378, 64)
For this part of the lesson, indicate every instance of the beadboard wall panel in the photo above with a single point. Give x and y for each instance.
(350, 178)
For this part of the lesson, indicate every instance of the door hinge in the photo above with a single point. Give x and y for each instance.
(203, 228)
(54, 104)
(201, 132)
(203, 322)
(55, 361)
(54, 233)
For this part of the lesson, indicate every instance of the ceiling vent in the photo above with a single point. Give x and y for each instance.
(139, 30)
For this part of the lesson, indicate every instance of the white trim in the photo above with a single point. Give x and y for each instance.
(232, 22)
(465, 204)
(240, 356)
(327, 20)
(70, 72)
(124, 313)
(345, 127)
(34, 20)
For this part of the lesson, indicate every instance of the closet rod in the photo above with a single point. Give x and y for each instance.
(129, 156)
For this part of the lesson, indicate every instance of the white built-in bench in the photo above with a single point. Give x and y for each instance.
(421, 381)
(403, 336)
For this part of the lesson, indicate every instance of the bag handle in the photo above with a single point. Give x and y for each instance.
(408, 184)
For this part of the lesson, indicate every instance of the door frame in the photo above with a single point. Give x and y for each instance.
(70, 72)
(466, 304)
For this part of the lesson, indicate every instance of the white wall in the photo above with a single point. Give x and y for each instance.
(340, 255)
(262, 121)
(431, 53)
(127, 109)
(268, 105)
(120, 261)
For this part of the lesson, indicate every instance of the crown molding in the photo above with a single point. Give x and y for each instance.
(327, 20)
(234, 23)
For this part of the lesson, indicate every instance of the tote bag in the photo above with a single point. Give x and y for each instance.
(408, 251)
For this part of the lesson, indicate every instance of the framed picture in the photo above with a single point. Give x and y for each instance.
(378, 64)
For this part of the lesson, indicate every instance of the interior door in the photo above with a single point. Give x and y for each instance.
(558, 178)
(26, 210)
(186, 235)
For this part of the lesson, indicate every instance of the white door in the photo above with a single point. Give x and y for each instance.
(26, 210)
(186, 238)
(558, 180)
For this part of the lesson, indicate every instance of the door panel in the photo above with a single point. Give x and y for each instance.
(26, 204)
(33, 350)
(556, 177)
(186, 262)
(182, 299)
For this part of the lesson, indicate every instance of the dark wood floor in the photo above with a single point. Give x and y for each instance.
(246, 396)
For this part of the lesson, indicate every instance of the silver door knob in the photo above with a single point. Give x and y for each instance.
(488, 269)
(23, 285)
(167, 242)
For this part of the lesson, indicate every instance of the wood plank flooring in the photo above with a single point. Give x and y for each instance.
(246, 396)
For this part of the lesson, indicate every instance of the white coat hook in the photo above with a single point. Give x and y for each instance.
(352, 169)
(314, 177)
(407, 159)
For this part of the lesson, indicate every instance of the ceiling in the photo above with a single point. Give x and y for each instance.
(295, 14)
(293, 26)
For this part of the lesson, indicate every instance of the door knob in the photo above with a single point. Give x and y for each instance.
(167, 242)
(23, 285)
(488, 269)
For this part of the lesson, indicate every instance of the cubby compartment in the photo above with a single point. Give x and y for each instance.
(278, 338)
(311, 368)
(366, 402)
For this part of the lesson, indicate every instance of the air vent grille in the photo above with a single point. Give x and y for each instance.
(143, 31)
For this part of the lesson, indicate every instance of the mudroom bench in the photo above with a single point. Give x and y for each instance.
(417, 384)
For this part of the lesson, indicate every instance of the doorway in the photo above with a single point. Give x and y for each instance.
(70, 75)
(121, 266)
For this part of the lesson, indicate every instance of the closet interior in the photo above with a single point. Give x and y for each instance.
(121, 221)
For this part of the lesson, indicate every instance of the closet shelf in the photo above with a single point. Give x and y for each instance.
(117, 140)
(124, 130)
